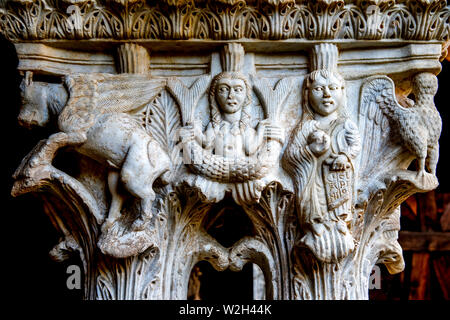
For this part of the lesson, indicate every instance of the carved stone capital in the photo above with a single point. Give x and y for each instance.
(314, 119)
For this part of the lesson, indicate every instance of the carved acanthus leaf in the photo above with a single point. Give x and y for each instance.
(272, 245)
(379, 3)
(234, 19)
(75, 1)
(231, 2)
(278, 2)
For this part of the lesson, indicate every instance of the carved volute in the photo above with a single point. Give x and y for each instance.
(299, 112)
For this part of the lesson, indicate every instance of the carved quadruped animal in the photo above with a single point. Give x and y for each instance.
(96, 111)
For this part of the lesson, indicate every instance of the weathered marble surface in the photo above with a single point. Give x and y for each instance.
(308, 115)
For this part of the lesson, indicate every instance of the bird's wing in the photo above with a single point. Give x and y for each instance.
(126, 92)
(98, 93)
(377, 100)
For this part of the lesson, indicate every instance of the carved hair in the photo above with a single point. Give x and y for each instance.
(216, 116)
(310, 78)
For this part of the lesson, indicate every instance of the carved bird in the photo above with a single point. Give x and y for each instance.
(419, 126)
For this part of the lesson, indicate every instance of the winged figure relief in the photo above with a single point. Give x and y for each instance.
(95, 119)
(394, 135)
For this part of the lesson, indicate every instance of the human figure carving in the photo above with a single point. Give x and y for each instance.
(320, 158)
(228, 149)
(229, 133)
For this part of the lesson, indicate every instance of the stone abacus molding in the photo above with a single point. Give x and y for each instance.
(305, 114)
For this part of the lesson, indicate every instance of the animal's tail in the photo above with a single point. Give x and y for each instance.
(222, 169)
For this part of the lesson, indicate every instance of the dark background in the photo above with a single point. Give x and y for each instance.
(28, 235)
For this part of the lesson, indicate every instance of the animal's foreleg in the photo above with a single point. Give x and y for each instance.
(57, 141)
(45, 151)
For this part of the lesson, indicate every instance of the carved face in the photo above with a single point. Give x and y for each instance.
(326, 95)
(230, 94)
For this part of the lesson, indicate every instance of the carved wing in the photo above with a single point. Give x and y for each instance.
(98, 93)
(127, 93)
(377, 101)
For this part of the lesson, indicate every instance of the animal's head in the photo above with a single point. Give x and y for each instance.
(39, 101)
(425, 83)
